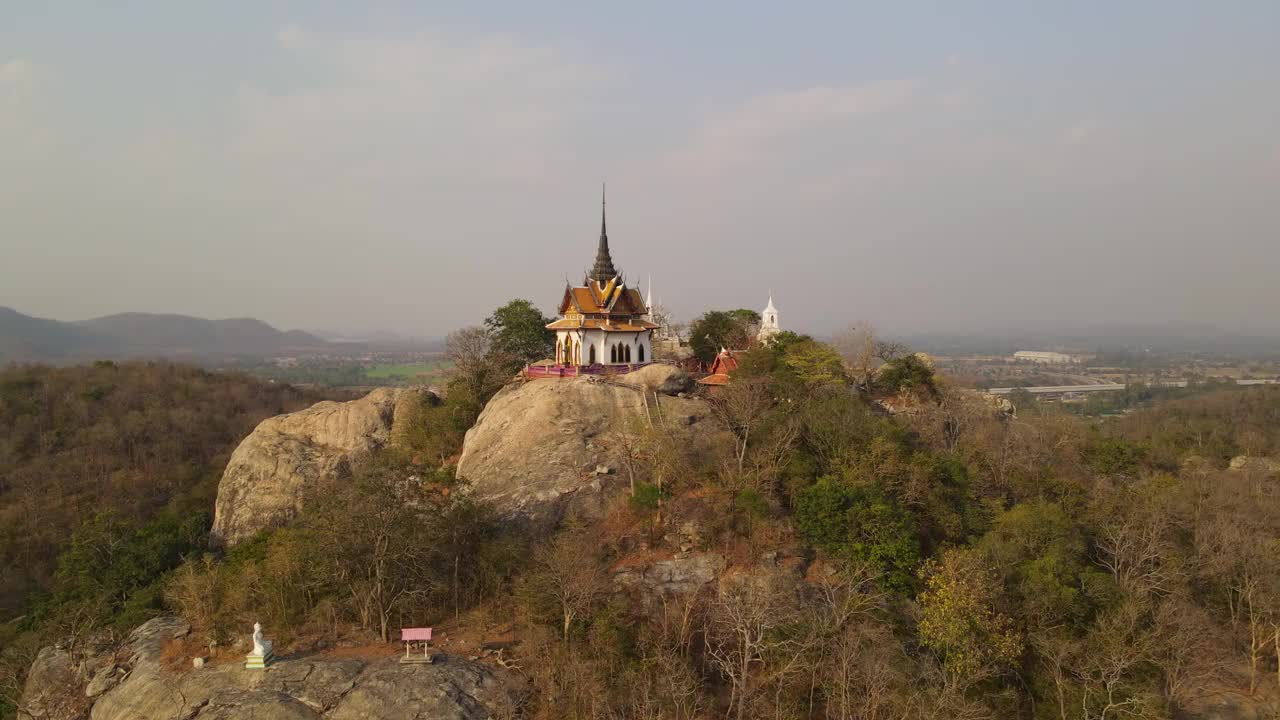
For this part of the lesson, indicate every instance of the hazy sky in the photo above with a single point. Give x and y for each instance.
(410, 166)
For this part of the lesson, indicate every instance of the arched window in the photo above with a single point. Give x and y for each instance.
(593, 355)
(628, 353)
(641, 353)
(613, 353)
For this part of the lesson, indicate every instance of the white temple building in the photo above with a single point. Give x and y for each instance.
(768, 322)
(603, 323)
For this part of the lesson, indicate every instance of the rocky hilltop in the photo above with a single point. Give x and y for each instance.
(537, 448)
(268, 473)
(543, 445)
(133, 683)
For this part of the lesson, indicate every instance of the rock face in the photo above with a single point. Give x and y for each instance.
(538, 447)
(1254, 463)
(681, 575)
(264, 482)
(289, 689)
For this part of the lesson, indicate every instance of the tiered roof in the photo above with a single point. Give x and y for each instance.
(604, 301)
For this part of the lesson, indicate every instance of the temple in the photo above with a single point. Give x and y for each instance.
(603, 325)
(768, 321)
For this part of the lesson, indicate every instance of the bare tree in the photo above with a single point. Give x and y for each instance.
(1241, 553)
(479, 366)
(630, 445)
(741, 406)
(740, 641)
(575, 575)
(1120, 644)
(857, 345)
(1187, 650)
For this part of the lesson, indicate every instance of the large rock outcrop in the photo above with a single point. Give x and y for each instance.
(268, 473)
(544, 445)
(305, 688)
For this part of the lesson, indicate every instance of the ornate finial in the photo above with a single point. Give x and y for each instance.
(603, 270)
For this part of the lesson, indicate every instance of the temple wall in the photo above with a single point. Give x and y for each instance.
(601, 341)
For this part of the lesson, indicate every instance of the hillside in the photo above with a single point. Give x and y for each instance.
(133, 335)
(137, 440)
(23, 337)
(782, 547)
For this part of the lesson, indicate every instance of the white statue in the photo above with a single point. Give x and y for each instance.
(261, 646)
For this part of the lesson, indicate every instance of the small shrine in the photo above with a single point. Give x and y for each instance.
(604, 325)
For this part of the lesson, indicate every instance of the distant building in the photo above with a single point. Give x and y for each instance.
(768, 322)
(1044, 357)
(603, 323)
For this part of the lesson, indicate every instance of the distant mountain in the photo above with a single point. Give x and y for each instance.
(26, 338)
(23, 337)
(383, 339)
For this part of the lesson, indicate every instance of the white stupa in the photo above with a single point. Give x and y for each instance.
(768, 321)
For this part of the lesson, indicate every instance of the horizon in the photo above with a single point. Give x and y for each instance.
(927, 168)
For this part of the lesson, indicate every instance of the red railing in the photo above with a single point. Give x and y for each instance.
(564, 371)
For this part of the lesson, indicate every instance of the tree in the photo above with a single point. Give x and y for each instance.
(815, 364)
(1043, 556)
(518, 331)
(374, 541)
(861, 525)
(629, 442)
(908, 372)
(716, 329)
(571, 569)
(741, 636)
(958, 618)
(741, 406)
(857, 345)
(463, 527)
(479, 368)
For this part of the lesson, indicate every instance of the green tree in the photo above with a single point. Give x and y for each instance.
(372, 539)
(814, 363)
(908, 372)
(860, 523)
(717, 329)
(518, 331)
(1043, 556)
(112, 566)
(959, 620)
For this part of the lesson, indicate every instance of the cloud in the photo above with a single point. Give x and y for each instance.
(488, 107)
(348, 148)
(740, 135)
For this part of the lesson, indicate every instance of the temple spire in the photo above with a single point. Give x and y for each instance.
(603, 270)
